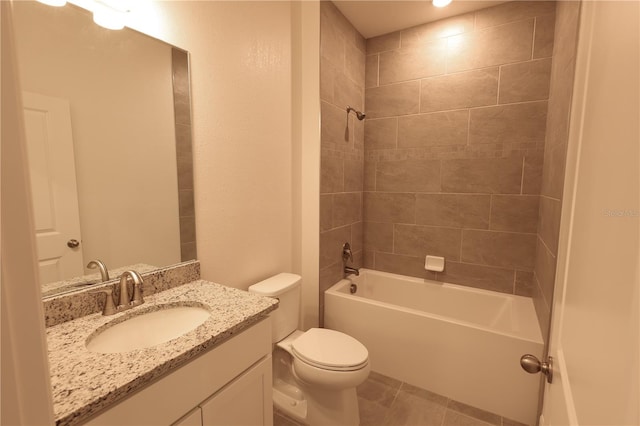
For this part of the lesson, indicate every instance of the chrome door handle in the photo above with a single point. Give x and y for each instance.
(73, 243)
(531, 364)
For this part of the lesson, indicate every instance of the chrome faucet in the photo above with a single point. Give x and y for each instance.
(97, 263)
(348, 270)
(347, 255)
(125, 302)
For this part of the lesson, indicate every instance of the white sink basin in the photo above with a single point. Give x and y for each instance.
(147, 329)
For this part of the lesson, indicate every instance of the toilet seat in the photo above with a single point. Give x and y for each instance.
(330, 350)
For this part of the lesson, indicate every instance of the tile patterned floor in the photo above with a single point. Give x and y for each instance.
(384, 401)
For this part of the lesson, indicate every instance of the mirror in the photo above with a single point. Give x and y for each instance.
(108, 125)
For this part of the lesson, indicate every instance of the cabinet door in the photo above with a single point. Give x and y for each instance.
(245, 401)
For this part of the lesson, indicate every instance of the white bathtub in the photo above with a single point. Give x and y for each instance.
(457, 341)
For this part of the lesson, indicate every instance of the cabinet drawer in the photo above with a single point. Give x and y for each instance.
(169, 398)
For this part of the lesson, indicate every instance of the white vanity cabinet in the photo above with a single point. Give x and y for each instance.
(228, 385)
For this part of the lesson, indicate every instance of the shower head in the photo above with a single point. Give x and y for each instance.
(359, 114)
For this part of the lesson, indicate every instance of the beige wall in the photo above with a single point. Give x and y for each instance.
(342, 71)
(124, 145)
(562, 76)
(454, 140)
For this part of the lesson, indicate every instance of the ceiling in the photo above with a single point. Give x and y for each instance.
(374, 18)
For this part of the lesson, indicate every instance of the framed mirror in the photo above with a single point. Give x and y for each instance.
(108, 125)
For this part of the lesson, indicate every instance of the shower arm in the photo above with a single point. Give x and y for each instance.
(361, 115)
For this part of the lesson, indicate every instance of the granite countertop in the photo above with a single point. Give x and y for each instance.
(84, 382)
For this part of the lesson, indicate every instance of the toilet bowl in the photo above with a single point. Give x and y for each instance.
(315, 373)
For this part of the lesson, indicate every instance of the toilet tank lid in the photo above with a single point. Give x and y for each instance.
(276, 285)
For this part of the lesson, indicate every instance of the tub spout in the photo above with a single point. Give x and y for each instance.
(348, 270)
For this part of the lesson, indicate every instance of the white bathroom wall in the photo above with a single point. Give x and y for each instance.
(240, 56)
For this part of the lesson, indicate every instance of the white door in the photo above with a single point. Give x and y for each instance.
(53, 186)
(595, 325)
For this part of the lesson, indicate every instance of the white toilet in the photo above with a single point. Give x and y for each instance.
(315, 373)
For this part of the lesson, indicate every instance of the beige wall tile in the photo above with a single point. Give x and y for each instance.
(359, 41)
(331, 245)
(326, 212)
(392, 100)
(331, 41)
(186, 205)
(389, 208)
(354, 63)
(513, 11)
(331, 175)
(543, 41)
(502, 249)
(454, 210)
(333, 127)
(492, 46)
(482, 175)
(404, 265)
(185, 172)
(553, 171)
(532, 174)
(478, 276)
(347, 209)
(549, 223)
(526, 81)
(541, 306)
(188, 251)
(415, 240)
(371, 71)
(187, 228)
(461, 90)
(327, 77)
(411, 63)
(509, 123)
(329, 276)
(515, 213)
(378, 236)
(347, 92)
(353, 175)
(369, 176)
(408, 176)
(524, 283)
(380, 133)
(439, 29)
(545, 269)
(357, 239)
(438, 128)
(383, 43)
(368, 260)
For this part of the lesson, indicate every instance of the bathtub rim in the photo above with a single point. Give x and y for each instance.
(334, 290)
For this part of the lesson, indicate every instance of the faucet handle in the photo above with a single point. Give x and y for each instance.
(346, 252)
(109, 305)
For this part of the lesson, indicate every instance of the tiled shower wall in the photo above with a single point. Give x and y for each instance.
(454, 142)
(342, 72)
(562, 75)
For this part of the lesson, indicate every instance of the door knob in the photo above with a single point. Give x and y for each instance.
(531, 364)
(73, 243)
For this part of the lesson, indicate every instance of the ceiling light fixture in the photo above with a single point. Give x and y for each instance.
(441, 3)
(54, 2)
(110, 14)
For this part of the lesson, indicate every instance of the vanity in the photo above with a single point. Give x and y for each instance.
(218, 373)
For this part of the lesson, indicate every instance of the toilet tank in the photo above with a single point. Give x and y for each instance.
(286, 288)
